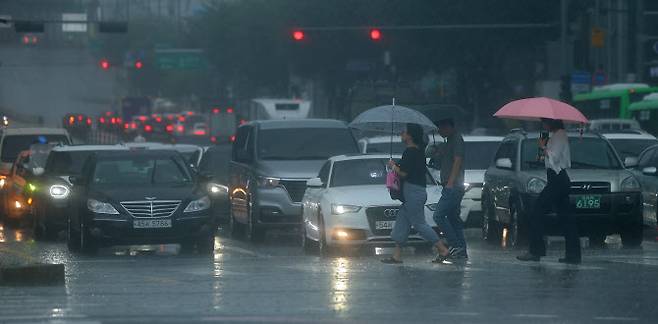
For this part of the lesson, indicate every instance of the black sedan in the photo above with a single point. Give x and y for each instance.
(139, 197)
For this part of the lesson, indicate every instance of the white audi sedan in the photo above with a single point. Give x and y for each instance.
(348, 205)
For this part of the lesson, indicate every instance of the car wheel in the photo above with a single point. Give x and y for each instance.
(87, 243)
(597, 240)
(631, 235)
(309, 246)
(255, 233)
(324, 249)
(206, 244)
(514, 227)
(490, 227)
(72, 238)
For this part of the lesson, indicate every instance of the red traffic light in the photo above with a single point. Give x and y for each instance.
(375, 34)
(298, 35)
(139, 64)
(104, 64)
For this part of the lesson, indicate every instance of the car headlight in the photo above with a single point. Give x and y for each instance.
(432, 207)
(198, 205)
(3, 180)
(216, 189)
(630, 184)
(267, 182)
(344, 209)
(536, 185)
(59, 191)
(100, 207)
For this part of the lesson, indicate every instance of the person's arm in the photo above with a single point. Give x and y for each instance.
(399, 171)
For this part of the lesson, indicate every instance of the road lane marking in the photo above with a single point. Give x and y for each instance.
(616, 319)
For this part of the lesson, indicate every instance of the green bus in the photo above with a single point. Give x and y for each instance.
(611, 101)
(646, 113)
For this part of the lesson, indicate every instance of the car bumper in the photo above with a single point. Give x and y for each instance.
(120, 230)
(361, 229)
(275, 208)
(616, 209)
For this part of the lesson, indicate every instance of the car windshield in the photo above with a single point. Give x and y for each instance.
(631, 147)
(586, 153)
(362, 172)
(398, 148)
(66, 163)
(14, 144)
(305, 143)
(479, 154)
(141, 171)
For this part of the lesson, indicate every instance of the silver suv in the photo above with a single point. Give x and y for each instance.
(271, 163)
(605, 197)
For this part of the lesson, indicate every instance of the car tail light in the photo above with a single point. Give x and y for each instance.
(190, 113)
(181, 118)
(126, 126)
(108, 113)
(133, 125)
(148, 128)
(229, 110)
(119, 120)
(142, 118)
(200, 132)
(169, 128)
(215, 110)
(80, 118)
(232, 138)
(158, 119)
(113, 120)
(88, 121)
(243, 121)
(102, 120)
(213, 139)
(180, 128)
(71, 120)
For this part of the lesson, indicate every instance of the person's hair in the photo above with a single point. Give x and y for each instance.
(416, 133)
(446, 122)
(553, 124)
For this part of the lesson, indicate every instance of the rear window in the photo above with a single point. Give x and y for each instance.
(14, 144)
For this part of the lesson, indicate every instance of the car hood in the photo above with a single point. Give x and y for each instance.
(302, 169)
(614, 177)
(119, 194)
(373, 195)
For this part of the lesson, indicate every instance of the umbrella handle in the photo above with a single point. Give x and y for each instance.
(392, 124)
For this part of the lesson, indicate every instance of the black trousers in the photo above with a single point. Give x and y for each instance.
(555, 196)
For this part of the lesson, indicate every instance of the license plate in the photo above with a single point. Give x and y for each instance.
(588, 202)
(384, 225)
(152, 223)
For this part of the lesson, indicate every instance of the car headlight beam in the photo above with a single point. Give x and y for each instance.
(344, 209)
(59, 191)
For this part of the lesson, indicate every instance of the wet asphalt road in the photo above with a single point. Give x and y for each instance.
(276, 282)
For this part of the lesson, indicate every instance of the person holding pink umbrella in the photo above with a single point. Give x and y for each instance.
(557, 159)
(555, 196)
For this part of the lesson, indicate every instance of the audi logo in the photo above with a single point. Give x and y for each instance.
(391, 212)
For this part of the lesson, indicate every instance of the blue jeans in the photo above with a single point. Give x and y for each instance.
(447, 218)
(412, 213)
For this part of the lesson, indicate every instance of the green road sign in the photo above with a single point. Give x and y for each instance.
(180, 59)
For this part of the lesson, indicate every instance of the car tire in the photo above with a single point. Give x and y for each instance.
(324, 249)
(491, 229)
(88, 244)
(254, 233)
(72, 238)
(309, 246)
(235, 229)
(597, 240)
(632, 235)
(206, 245)
(514, 228)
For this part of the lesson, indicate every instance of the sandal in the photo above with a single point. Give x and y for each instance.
(391, 260)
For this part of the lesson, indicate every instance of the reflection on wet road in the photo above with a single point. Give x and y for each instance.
(275, 282)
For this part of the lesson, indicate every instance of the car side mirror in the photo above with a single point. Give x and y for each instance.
(38, 171)
(652, 171)
(504, 163)
(76, 180)
(630, 162)
(314, 183)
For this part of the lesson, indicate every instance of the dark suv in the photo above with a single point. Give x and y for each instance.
(271, 162)
(605, 197)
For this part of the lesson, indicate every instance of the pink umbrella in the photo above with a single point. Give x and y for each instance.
(536, 108)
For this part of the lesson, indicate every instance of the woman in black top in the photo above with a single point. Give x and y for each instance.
(412, 171)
